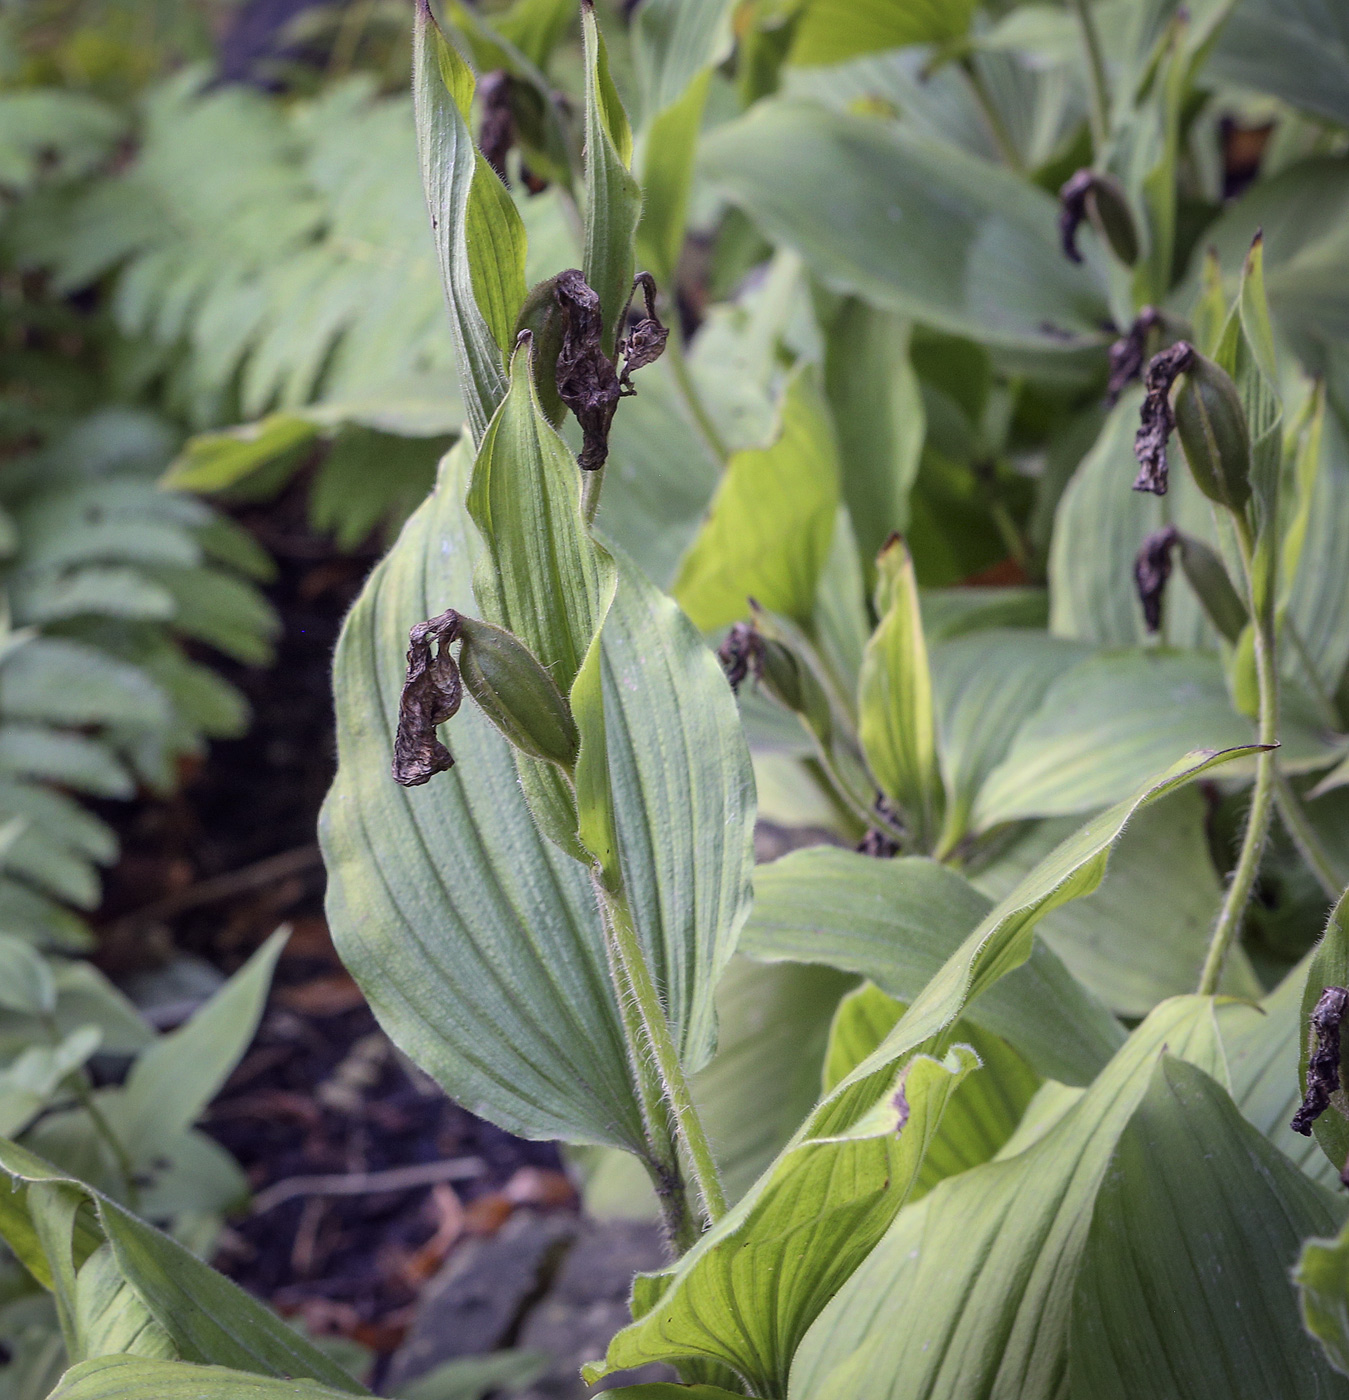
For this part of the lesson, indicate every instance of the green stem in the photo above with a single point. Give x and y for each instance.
(997, 128)
(693, 401)
(659, 1044)
(1099, 111)
(1262, 796)
(592, 483)
(1299, 827)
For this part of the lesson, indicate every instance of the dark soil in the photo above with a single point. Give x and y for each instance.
(322, 1091)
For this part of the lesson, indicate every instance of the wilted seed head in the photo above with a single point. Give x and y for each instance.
(496, 135)
(1128, 353)
(741, 653)
(1152, 568)
(1323, 1065)
(432, 693)
(586, 380)
(1156, 418)
(1099, 197)
(645, 342)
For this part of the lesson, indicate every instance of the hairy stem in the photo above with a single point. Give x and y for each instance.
(1262, 796)
(693, 399)
(1298, 825)
(1099, 110)
(657, 1043)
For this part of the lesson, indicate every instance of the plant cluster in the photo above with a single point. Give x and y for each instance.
(960, 1111)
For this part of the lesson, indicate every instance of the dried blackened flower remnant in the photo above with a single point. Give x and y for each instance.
(1152, 568)
(1073, 209)
(1323, 1067)
(431, 695)
(586, 380)
(1157, 418)
(1128, 353)
(741, 654)
(645, 342)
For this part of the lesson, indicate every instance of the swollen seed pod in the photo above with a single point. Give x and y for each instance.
(1108, 210)
(515, 692)
(1213, 431)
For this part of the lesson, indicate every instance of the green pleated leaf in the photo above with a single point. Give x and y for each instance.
(1108, 721)
(442, 89)
(877, 407)
(1322, 1277)
(983, 1112)
(896, 719)
(771, 522)
(613, 197)
(1263, 1041)
(209, 1319)
(669, 149)
(922, 229)
(896, 922)
(1182, 1287)
(986, 685)
(476, 940)
(140, 1378)
(746, 1292)
(673, 43)
(830, 31)
(1143, 935)
(970, 1291)
(773, 1025)
(827, 1180)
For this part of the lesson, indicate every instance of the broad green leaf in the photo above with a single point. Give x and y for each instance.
(772, 1028)
(33, 1078)
(896, 719)
(969, 1293)
(1301, 213)
(1262, 1043)
(216, 461)
(472, 1377)
(923, 230)
(668, 151)
(830, 31)
(673, 43)
(771, 523)
(26, 982)
(897, 922)
(669, 1390)
(1322, 1277)
(983, 1112)
(878, 415)
(985, 686)
(1110, 720)
(613, 197)
(477, 942)
(210, 1319)
(1329, 967)
(745, 1294)
(110, 1318)
(180, 1073)
(818, 1174)
(1143, 935)
(142, 1378)
(1296, 49)
(1182, 1287)
(442, 89)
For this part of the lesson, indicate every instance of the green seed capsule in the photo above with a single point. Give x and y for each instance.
(1108, 209)
(514, 691)
(1207, 575)
(1213, 431)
